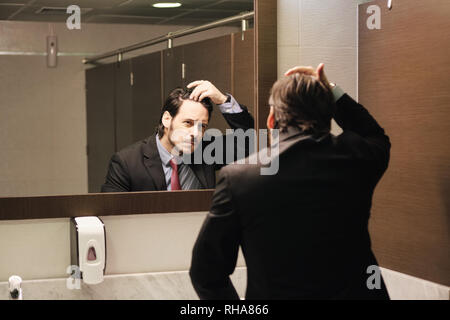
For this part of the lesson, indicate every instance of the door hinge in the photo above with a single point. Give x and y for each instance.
(131, 78)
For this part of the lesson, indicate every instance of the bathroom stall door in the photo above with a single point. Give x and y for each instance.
(147, 94)
(123, 104)
(172, 75)
(404, 76)
(100, 123)
(210, 60)
(243, 68)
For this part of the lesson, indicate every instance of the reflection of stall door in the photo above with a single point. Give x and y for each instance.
(146, 93)
(210, 60)
(123, 104)
(404, 70)
(243, 69)
(172, 70)
(100, 123)
(137, 98)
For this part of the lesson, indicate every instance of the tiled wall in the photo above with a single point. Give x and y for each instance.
(311, 32)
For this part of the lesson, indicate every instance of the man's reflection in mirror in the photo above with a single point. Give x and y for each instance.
(157, 162)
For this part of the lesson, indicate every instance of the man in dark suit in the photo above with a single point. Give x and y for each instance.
(304, 230)
(156, 163)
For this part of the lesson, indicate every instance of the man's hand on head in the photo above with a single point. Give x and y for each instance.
(319, 73)
(205, 89)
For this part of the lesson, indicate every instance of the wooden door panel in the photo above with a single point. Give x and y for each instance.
(172, 75)
(404, 71)
(123, 105)
(147, 94)
(100, 123)
(243, 69)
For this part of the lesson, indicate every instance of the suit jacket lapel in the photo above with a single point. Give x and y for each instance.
(199, 172)
(152, 162)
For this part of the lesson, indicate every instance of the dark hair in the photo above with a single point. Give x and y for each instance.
(304, 102)
(174, 102)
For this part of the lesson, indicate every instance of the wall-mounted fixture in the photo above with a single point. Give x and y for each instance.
(52, 51)
(88, 248)
(244, 27)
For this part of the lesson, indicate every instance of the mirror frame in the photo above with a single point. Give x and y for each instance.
(106, 204)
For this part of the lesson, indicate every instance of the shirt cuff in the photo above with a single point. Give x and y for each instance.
(230, 107)
(337, 93)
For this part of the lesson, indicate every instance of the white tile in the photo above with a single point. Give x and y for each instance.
(288, 56)
(340, 65)
(33, 150)
(34, 249)
(288, 22)
(328, 23)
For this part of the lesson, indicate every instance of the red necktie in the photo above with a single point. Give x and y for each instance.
(174, 182)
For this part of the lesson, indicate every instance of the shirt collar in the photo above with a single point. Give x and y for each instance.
(165, 155)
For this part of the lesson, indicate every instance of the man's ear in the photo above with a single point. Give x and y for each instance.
(271, 119)
(166, 119)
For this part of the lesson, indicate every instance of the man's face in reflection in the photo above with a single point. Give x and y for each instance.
(185, 131)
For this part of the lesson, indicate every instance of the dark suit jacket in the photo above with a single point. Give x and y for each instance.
(138, 167)
(304, 231)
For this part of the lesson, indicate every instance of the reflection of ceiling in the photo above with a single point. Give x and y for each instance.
(192, 12)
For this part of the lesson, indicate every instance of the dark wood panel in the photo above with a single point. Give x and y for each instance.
(100, 122)
(172, 77)
(210, 60)
(404, 72)
(146, 91)
(123, 104)
(243, 69)
(265, 57)
(104, 204)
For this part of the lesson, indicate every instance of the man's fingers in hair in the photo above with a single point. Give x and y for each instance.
(319, 71)
(300, 69)
(204, 94)
(194, 83)
(321, 74)
(194, 93)
(197, 92)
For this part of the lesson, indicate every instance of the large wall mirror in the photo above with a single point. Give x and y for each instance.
(62, 120)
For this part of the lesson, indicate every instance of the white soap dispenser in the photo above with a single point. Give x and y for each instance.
(88, 248)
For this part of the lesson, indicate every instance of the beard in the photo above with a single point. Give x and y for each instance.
(182, 144)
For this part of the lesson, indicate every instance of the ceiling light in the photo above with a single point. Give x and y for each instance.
(167, 5)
